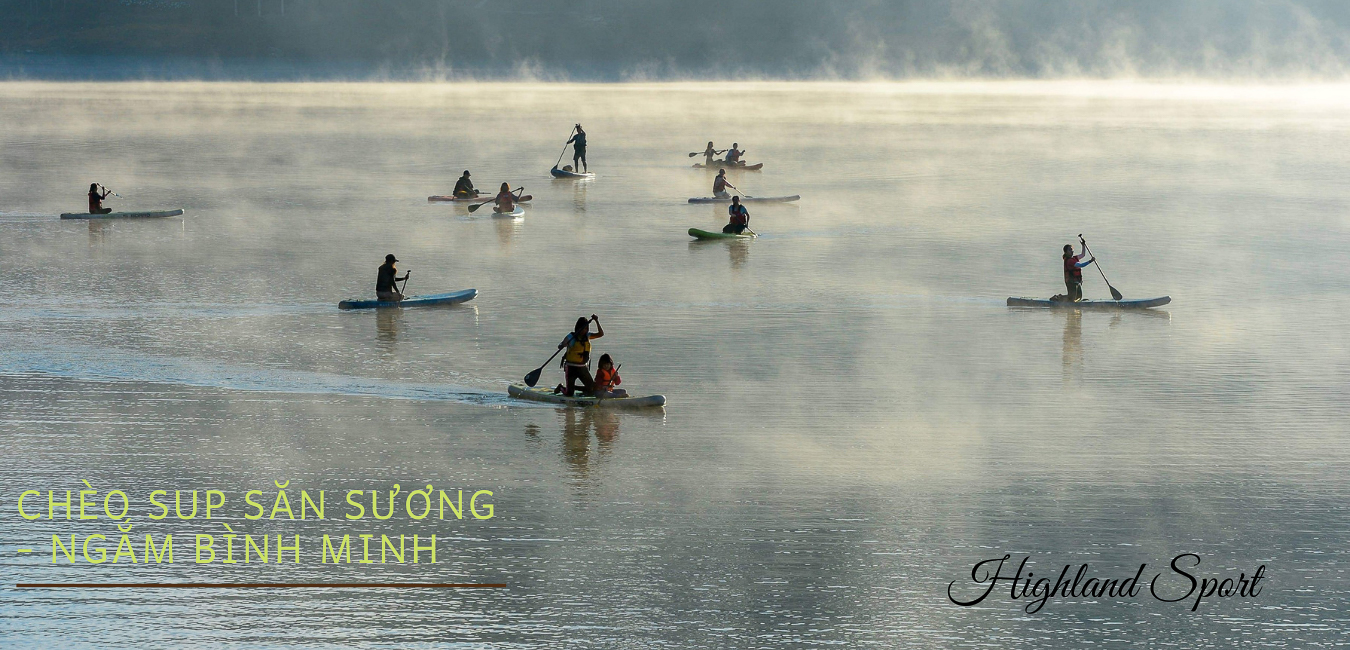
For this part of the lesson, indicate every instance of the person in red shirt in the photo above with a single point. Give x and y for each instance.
(1073, 272)
(606, 378)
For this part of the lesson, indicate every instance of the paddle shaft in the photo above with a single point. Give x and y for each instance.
(564, 151)
(1114, 293)
(533, 377)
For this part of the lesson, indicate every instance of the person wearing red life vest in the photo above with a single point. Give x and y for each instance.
(1073, 272)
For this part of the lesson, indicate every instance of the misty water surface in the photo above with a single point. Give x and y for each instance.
(855, 417)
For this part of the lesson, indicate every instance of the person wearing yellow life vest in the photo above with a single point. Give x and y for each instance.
(577, 359)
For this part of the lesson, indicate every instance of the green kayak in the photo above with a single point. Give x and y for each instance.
(704, 234)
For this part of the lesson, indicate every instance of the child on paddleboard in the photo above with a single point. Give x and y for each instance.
(606, 378)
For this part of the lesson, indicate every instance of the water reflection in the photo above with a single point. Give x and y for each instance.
(507, 228)
(577, 426)
(740, 253)
(388, 322)
(98, 235)
(1073, 344)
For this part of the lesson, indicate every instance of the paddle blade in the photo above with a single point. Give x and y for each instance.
(1115, 294)
(533, 378)
(474, 208)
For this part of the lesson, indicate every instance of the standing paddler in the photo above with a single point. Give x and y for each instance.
(464, 187)
(578, 143)
(1073, 271)
(386, 287)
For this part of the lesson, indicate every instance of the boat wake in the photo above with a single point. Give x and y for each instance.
(123, 367)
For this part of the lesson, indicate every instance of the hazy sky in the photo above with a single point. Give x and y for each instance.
(611, 39)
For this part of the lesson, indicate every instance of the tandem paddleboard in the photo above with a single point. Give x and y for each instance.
(148, 214)
(412, 301)
(521, 391)
(1141, 303)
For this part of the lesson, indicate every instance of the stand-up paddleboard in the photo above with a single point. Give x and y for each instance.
(730, 167)
(705, 234)
(746, 199)
(1141, 303)
(412, 301)
(515, 213)
(561, 173)
(525, 198)
(149, 214)
(521, 391)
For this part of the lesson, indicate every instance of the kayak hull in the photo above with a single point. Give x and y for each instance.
(746, 199)
(520, 391)
(149, 214)
(709, 235)
(413, 301)
(516, 213)
(475, 199)
(1141, 303)
(731, 168)
(561, 173)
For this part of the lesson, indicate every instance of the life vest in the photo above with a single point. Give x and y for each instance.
(578, 350)
(607, 379)
(1071, 267)
(739, 214)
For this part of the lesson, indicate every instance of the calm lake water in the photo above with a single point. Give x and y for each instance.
(855, 417)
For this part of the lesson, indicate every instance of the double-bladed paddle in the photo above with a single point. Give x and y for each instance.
(1114, 294)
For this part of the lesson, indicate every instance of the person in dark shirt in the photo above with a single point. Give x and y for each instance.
(578, 143)
(464, 187)
(96, 199)
(386, 287)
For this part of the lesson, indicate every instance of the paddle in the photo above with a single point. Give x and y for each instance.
(109, 192)
(563, 153)
(407, 275)
(533, 378)
(1114, 294)
(474, 207)
(517, 192)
